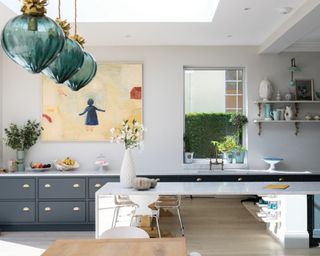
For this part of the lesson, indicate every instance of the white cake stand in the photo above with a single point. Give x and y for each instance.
(272, 161)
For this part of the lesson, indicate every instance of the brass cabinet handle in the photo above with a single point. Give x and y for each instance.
(47, 209)
(281, 179)
(199, 179)
(76, 209)
(240, 179)
(76, 185)
(47, 186)
(26, 186)
(158, 179)
(25, 209)
(97, 185)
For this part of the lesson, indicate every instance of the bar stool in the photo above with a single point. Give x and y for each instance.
(121, 201)
(173, 202)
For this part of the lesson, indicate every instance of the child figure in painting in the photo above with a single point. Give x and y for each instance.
(92, 118)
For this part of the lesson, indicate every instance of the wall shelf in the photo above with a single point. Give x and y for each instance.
(296, 121)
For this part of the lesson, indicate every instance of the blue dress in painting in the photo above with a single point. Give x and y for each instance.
(91, 110)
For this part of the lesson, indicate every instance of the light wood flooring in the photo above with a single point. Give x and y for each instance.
(212, 226)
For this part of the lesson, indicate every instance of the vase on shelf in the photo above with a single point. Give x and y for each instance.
(127, 171)
(265, 90)
(288, 114)
(20, 154)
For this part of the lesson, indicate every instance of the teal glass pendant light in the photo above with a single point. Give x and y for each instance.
(85, 75)
(32, 40)
(69, 60)
(88, 69)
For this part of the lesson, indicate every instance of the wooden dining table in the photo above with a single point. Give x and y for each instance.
(119, 247)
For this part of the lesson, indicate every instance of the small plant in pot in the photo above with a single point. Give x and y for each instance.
(227, 147)
(239, 154)
(22, 138)
(188, 154)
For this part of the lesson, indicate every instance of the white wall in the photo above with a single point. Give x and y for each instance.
(163, 106)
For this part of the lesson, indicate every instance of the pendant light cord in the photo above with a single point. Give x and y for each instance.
(59, 9)
(75, 17)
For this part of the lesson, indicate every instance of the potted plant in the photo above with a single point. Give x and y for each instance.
(239, 120)
(22, 138)
(188, 154)
(227, 147)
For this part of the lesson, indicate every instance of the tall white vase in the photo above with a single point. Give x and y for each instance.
(127, 171)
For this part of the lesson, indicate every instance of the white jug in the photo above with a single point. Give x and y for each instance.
(288, 114)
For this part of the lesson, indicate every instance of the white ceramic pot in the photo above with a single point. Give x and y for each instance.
(127, 171)
(265, 90)
(288, 114)
(188, 157)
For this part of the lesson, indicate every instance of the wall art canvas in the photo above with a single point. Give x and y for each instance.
(114, 95)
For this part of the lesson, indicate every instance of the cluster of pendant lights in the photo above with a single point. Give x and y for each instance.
(39, 44)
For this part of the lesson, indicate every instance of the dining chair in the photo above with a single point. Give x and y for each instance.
(125, 232)
(121, 201)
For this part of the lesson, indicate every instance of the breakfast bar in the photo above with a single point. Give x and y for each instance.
(291, 227)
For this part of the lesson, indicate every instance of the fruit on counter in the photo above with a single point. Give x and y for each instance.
(68, 161)
(39, 165)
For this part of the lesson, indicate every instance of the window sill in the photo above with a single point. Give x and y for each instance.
(203, 164)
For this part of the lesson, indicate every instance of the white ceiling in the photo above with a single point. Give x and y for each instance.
(231, 25)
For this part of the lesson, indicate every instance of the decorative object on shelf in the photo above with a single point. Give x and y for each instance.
(276, 115)
(278, 96)
(267, 111)
(281, 113)
(70, 58)
(188, 154)
(21, 139)
(304, 89)
(316, 117)
(265, 90)
(288, 114)
(131, 135)
(272, 161)
(288, 96)
(318, 95)
(88, 69)
(117, 89)
(32, 40)
(292, 69)
(307, 117)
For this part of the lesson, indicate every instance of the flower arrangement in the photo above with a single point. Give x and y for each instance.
(130, 134)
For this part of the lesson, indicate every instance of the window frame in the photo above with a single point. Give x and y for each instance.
(203, 163)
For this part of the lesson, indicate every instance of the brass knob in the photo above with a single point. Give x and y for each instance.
(97, 185)
(240, 179)
(199, 179)
(47, 209)
(26, 186)
(76, 185)
(281, 179)
(25, 209)
(158, 179)
(47, 186)
(76, 209)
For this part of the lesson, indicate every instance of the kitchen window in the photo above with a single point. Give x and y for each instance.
(212, 95)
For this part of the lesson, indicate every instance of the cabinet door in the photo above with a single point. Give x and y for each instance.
(92, 211)
(17, 212)
(17, 188)
(97, 183)
(62, 188)
(62, 212)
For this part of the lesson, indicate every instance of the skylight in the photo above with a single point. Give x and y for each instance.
(131, 10)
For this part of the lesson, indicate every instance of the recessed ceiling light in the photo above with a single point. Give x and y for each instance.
(246, 8)
(127, 36)
(285, 10)
(132, 10)
(229, 36)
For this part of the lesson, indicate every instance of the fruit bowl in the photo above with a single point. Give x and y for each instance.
(36, 166)
(66, 164)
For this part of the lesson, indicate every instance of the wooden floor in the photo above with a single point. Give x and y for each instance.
(212, 226)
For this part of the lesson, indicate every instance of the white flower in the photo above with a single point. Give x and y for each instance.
(112, 130)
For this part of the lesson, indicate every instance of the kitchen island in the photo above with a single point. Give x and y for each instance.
(291, 227)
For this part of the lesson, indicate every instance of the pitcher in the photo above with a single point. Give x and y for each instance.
(288, 114)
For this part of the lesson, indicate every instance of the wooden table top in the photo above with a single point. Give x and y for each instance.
(119, 247)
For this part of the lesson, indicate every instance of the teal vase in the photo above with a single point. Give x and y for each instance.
(20, 154)
(67, 63)
(33, 42)
(85, 75)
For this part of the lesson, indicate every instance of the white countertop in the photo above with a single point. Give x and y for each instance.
(213, 188)
(80, 172)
